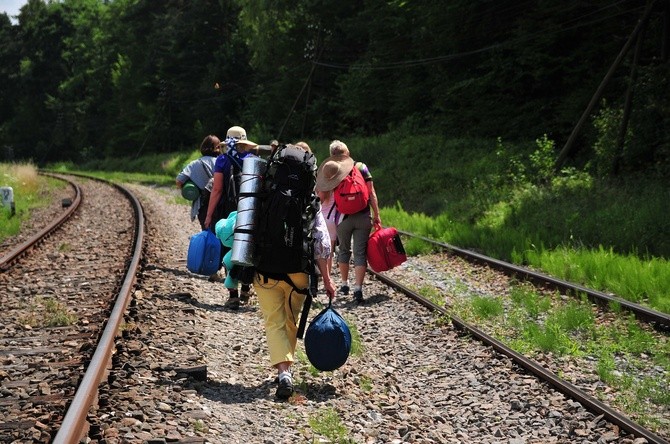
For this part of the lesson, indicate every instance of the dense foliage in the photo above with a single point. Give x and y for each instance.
(84, 79)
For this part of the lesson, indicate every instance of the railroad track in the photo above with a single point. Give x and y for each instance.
(204, 375)
(656, 319)
(545, 375)
(65, 291)
(184, 356)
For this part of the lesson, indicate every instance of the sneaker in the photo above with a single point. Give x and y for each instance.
(358, 296)
(285, 388)
(232, 303)
(344, 290)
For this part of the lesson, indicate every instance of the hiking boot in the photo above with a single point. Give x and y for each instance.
(344, 290)
(285, 388)
(358, 296)
(233, 303)
(244, 297)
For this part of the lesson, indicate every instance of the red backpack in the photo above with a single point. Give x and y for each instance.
(352, 195)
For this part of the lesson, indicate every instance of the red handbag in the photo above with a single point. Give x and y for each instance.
(385, 250)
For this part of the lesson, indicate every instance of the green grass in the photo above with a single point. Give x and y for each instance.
(57, 314)
(530, 300)
(641, 281)
(632, 359)
(328, 424)
(626, 275)
(485, 307)
(31, 191)
(48, 312)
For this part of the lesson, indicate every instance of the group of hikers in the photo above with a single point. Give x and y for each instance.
(338, 210)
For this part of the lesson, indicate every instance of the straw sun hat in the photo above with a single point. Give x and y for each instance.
(240, 134)
(332, 171)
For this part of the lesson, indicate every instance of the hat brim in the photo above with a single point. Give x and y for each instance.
(246, 142)
(346, 164)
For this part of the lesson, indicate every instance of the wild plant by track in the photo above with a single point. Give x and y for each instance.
(189, 370)
(55, 301)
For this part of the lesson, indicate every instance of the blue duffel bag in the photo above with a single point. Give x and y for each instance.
(328, 340)
(204, 253)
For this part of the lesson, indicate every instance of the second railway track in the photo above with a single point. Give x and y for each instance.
(56, 300)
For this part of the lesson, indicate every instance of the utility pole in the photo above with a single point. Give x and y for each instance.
(621, 139)
(598, 94)
(666, 31)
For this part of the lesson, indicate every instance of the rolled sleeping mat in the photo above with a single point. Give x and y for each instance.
(250, 186)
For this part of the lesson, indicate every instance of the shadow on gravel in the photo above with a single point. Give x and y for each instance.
(187, 298)
(317, 392)
(349, 302)
(226, 393)
(173, 271)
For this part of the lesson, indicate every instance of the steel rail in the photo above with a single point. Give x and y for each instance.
(657, 319)
(74, 424)
(18, 250)
(533, 367)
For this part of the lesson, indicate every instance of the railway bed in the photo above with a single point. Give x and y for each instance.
(187, 370)
(191, 371)
(55, 300)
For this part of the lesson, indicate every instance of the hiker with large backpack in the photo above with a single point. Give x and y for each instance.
(290, 242)
(355, 197)
(224, 192)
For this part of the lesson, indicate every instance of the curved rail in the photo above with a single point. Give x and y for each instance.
(657, 319)
(533, 367)
(74, 423)
(20, 249)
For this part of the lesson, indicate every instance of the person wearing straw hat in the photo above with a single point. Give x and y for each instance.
(352, 226)
(225, 189)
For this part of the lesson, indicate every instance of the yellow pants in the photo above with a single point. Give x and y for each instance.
(280, 306)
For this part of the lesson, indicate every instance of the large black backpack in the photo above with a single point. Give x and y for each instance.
(287, 213)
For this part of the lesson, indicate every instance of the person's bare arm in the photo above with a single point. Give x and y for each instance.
(376, 218)
(215, 195)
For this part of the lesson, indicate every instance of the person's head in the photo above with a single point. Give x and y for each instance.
(338, 148)
(210, 146)
(304, 146)
(332, 171)
(237, 136)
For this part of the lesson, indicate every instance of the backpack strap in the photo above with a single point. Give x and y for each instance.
(206, 169)
(337, 213)
(234, 159)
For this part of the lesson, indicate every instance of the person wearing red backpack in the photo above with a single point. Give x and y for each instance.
(356, 199)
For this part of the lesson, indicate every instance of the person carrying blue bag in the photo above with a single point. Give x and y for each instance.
(291, 242)
(193, 181)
